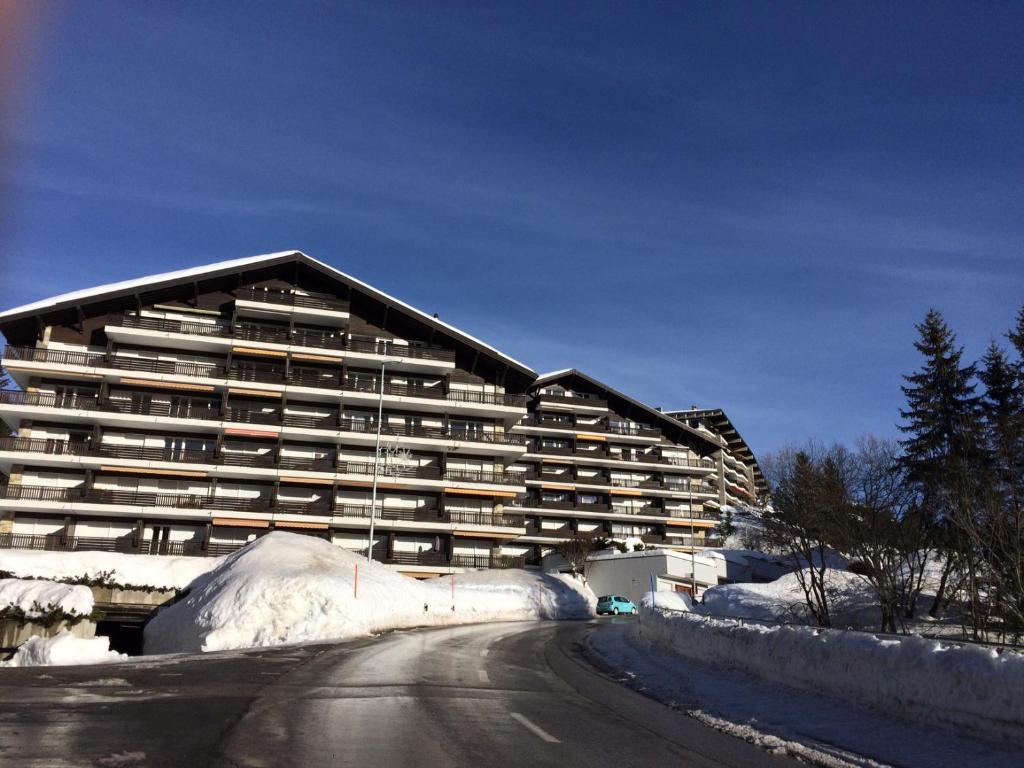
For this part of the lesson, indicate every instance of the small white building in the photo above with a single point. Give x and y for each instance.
(629, 574)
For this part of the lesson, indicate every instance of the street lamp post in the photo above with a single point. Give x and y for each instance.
(376, 461)
(693, 548)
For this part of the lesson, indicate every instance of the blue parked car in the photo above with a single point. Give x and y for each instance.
(614, 605)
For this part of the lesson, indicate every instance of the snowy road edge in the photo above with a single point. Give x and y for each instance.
(763, 739)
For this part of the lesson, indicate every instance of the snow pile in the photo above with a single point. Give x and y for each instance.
(670, 601)
(852, 601)
(287, 588)
(961, 685)
(35, 596)
(63, 650)
(160, 572)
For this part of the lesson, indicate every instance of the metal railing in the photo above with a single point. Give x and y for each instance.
(58, 542)
(429, 557)
(263, 373)
(601, 425)
(212, 412)
(289, 299)
(595, 402)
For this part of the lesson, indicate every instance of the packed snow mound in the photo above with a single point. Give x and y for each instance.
(158, 571)
(933, 681)
(64, 649)
(36, 596)
(852, 601)
(287, 588)
(670, 601)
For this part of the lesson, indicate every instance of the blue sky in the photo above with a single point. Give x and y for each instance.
(745, 206)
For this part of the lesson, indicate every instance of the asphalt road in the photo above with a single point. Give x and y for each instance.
(480, 696)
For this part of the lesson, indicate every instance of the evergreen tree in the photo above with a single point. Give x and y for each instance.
(1001, 407)
(942, 412)
(1016, 337)
(943, 448)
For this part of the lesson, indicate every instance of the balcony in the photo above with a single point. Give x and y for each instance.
(289, 299)
(601, 425)
(441, 560)
(272, 334)
(269, 460)
(134, 498)
(212, 412)
(315, 378)
(432, 515)
(531, 502)
(605, 480)
(562, 399)
(264, 503)
(58, 542)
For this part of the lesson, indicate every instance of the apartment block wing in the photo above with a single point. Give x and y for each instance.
(191, 411)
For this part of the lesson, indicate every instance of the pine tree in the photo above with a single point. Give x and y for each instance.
(942, 450)
(942, 410)
(1001, 407)
(1016, 337)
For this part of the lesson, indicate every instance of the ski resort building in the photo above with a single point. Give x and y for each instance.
(191, 411)
(599, 462)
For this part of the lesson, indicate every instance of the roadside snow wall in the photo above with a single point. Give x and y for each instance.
(929, 680)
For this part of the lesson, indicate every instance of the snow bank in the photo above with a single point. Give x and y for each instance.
(287, 588)
(32, 594)
(670, 601)
(852, 601)
(933, 681)
(160, 572)
(63, 650)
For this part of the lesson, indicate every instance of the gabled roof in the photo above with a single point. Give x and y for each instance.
(221, 268)
(657, 416)
(721, 424)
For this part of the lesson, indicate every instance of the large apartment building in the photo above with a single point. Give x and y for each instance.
(601, 463)
(742, 481)
(192, 411)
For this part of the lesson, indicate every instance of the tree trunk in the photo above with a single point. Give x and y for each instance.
(940, 594)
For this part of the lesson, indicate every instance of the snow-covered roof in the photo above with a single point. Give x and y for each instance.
(140, 282)
(150, 281)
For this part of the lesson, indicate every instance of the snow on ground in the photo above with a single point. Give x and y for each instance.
(964, 686)
(62, 650)
(671, 601)
(287, 588)
(158, 571)
(818, 729)
(852, 601)
(32, 594)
